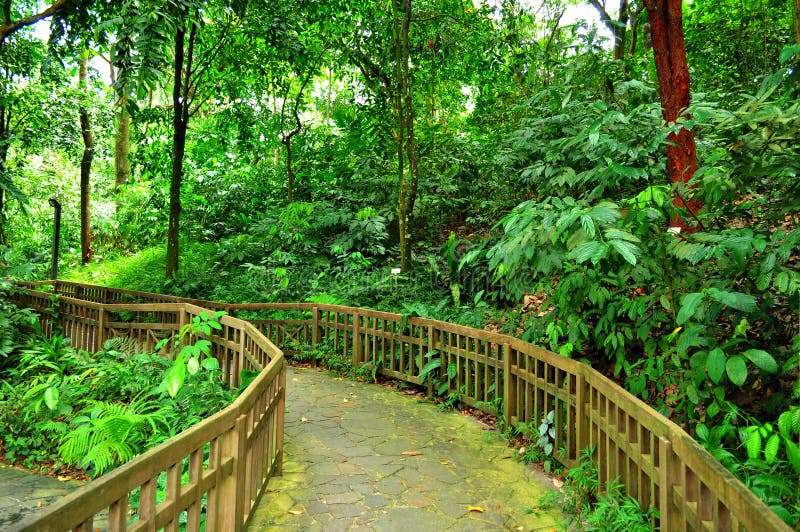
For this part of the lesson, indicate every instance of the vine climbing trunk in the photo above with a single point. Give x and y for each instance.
(408, 175)
(86, 160)
(673, 84)
(122, 144)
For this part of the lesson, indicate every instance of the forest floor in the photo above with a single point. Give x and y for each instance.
(364, 457)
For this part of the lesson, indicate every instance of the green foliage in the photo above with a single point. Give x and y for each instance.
(193, 350)
(764, 455)
(64, 407)
(589, 508)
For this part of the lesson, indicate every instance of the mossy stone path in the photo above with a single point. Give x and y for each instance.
(23, 493)
(364, 457)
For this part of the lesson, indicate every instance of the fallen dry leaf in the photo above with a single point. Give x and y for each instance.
(346, 401)
(304, 419)
(558, 483)
(39, 504)
(443, 461)
(475, 509)
(411, 453)
(296, 512)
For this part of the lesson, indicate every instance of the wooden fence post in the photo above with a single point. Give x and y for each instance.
(230, 498)
(314, 327)
(507, 383)
(280, 421)
(581, 417)
(666, 511)
(356, 339)
(101, 329)
(431, 349)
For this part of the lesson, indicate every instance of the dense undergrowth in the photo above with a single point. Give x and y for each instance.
(63, 410)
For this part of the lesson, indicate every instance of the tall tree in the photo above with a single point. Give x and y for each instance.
(193, 33)
(408, 177)
(122, 138)
(673, 84)
(86, 158)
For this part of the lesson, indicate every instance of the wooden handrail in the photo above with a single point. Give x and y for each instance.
(245, 438)
(659, 464)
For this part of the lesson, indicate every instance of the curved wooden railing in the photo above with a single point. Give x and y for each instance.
(216, 471)
(659, 463)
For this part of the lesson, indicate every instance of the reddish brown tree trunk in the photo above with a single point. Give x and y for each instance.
(673, 84)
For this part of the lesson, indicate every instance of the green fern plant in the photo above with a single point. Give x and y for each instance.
(109, 434)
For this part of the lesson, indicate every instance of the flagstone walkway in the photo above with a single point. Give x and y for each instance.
(23, 492)
(365, 457)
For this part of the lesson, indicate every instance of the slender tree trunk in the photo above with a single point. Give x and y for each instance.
(4, 140)
(122, 144)
(86, 161)
(673, 84)
(797, 21)
(400, 9)
(180, 122)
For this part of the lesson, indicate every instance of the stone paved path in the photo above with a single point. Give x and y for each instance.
(345, 467)
(23, 492)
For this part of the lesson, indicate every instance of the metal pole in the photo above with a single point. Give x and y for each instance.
(56, 237)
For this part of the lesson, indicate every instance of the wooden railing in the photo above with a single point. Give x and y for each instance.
(214, 472)
(659, 464)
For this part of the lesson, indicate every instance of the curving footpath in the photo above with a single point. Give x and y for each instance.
(364, 457)
(345, 468)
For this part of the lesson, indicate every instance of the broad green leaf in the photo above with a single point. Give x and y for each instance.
(193, 366)
(627, 250)
(753, 444)
(785, 424)
(452, 370)
(761, 359)
(174, 377)
(771, 448)
(736, 367)
(210, 363)
(203, 346)
(793, 454)
(715, 363)
(431, 365)
(737, 300)
(51, 397)
(593, 251)
(691, 302)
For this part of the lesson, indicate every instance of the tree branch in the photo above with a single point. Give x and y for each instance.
(8, 27)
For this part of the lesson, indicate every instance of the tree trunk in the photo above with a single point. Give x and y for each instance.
(4, 140)
(618, 28)
(122, 144)
(797, 21)
(673, 85)
(408, 180)
(86, 160)
(180, 122)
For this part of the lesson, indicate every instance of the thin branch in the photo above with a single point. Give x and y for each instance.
(10, 26)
